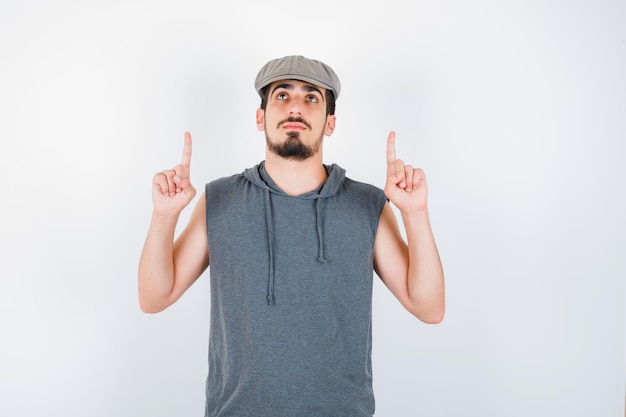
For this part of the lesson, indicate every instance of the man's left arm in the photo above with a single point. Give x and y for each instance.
(413, 271)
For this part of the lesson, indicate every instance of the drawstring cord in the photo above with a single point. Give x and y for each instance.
(270, 242)
(320, 253)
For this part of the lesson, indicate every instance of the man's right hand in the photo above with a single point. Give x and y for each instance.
(172, 189)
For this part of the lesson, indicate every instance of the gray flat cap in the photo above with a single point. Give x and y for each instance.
(296, 67)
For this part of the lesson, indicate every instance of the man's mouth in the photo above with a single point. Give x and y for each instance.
(294, 123)
(293, 126)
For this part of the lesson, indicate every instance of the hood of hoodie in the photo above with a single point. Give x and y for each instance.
(258, 176)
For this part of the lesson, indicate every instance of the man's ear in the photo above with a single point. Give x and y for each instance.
(260, 119)
(330, 125)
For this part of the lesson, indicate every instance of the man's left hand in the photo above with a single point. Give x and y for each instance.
(405, 186)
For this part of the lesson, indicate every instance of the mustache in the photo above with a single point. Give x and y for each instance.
(294, 120)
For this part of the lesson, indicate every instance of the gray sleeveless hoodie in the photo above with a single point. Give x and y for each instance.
(291, 297)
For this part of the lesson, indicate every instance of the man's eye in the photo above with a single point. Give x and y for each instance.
(281, 96)
(312, 99)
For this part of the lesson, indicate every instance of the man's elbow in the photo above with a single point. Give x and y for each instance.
(431, 315)
(151, 307)
(432, 318)
(148, 309)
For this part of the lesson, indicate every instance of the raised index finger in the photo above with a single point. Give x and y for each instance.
(391, 152)
(187, 150)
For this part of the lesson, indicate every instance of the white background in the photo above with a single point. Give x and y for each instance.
(516, 110)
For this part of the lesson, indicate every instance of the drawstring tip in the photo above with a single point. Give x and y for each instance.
(270, 300)
(321, 260)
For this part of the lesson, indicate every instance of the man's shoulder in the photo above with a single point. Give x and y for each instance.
(247, 176)
(225, 180)
(360, 194)
(360, 186)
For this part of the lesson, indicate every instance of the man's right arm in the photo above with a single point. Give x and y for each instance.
(167, 268)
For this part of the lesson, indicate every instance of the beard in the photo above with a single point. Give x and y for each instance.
(292, 148)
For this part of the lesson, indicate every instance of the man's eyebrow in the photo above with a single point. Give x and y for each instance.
(289, 86)
(313, 88)
(286, 86)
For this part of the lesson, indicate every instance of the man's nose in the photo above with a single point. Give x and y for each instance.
(295, 108)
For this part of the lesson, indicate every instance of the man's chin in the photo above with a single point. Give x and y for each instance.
(292, 148)
(294, 155)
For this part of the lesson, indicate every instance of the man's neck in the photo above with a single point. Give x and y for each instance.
(296, 177)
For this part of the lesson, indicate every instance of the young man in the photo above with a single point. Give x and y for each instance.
(292, 245)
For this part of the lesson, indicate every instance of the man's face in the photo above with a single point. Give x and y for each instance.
(295, 120)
